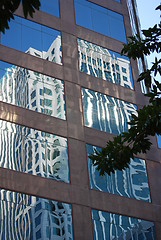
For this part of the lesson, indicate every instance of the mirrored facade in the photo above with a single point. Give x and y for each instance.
(34, 39)
(131, 182)
(31, 151)
(106, 113)
(50, 6)
(108, 226)
(102, 63)
(131, 5)
(100, 19)
(28, 217)
(32, 90)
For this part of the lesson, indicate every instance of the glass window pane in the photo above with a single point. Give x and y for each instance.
(100, 22)
(50, 7)
(29, 89)
(31, 151)
(114, 226)
(131, 182)
(34, 39)
(159, 140)
(15, 30)
(106, 113)
(27, 217)
(99, 19)
(117, 29)
(86, 20)
(105, 64)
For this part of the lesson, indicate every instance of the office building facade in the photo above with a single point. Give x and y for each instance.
(64, 91)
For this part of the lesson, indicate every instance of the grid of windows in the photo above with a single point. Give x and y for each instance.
(99, 19)
(43, 154)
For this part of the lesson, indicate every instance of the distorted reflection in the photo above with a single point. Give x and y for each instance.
(106, 113)
(132, 8)
(108, 226)
(103, 63)
(131, 182)
(32, 151)
(28, 217)
(32, 90)
(34, 39)
(50, 7)
(100, 19)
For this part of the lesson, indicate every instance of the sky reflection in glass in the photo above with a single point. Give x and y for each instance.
(108, 226)
(106, 113)
(131, 182)
(50, 7)
(100, 19)
(31, 151)
(34, 39)
(28, 217)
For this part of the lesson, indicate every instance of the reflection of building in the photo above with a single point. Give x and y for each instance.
(32, 90)
(56, 120)
(34, 218)
(99, 62)
(106, 113)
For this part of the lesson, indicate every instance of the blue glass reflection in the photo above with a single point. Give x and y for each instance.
(31, 151)
(159, 140)
(131, 182)
(27, 217)
(100, 62)
(50, 7)
(34, 39)
(99, 19)
(106, 113)
(109, 226)
(32, 90)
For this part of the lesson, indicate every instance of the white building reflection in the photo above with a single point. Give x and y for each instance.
(105, 64)
(27, 217)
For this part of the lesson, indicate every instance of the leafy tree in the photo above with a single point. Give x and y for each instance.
(8, 7)
(147, 122)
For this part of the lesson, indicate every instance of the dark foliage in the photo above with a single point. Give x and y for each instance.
(8, 7)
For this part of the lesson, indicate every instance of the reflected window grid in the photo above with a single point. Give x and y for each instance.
(95, 17)
(34, 39)
(114, 226)
(31, 151)
(32, 90)
(106, 113)
(29, 217)
(131, 182)
(102, 63)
